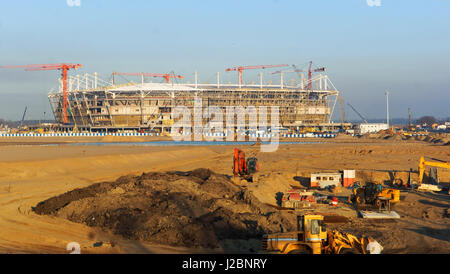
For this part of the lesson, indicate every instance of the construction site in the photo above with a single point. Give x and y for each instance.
(114, 196)
(100, 191)
(93, 189)
(274, 131)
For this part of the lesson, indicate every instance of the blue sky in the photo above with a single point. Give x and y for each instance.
(402, 46)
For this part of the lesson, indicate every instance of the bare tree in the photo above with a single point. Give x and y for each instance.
(428, 120)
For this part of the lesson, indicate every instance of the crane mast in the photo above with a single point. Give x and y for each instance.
(64, 67)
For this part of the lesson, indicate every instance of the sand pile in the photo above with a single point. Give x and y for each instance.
(192, 209)
(394, 137)
(440, 139)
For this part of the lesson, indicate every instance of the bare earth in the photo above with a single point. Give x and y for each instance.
(30, 174)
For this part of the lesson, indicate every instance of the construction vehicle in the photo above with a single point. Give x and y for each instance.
(374, 194)
(296, 198)
(424, 163)
(23, 117)
(244, 168)
(364, 120)
(312, 237)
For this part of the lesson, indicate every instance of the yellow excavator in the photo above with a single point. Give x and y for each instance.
(311, 237)
(424, 163)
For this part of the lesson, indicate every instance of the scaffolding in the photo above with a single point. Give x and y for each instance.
(95, 103)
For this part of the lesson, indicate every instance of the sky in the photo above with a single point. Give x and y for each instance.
(400, 45)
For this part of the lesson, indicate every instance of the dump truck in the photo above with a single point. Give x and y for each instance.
(312, 237)
(374, 194)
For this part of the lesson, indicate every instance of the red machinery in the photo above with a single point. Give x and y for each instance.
(310, 71)
(64, 67)
(296, 198)
(239, 164)
(166, 76)
(240, 69)
(242, 167)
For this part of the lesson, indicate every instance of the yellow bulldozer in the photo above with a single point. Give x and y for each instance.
(311, 237)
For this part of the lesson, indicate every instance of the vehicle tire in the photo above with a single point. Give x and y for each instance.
(359, 199)
(348, 251)
(299, 251)
(377, 203)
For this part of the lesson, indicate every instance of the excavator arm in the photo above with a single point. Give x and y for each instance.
(424, 163)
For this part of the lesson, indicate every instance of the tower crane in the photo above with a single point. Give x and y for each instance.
(241, 68)
(310, 71)
(299, 71)
(166, 76)
(287, 71)
(281, 72)
(359, 114)
(64, 67)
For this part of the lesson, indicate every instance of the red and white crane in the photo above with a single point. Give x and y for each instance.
(310, 71)
(166, 76)
(64, 67)
(240, 69)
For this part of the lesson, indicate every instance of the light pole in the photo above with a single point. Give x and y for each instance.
(387, 107)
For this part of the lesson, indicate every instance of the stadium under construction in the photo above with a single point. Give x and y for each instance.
(96, 105)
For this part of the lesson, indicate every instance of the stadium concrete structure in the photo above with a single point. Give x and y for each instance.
(98, 105)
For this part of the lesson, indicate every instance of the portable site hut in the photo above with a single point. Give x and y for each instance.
(349, 178)
(323, 180)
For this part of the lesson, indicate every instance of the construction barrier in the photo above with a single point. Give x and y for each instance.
(310, 135)
(76, 134)
(130, 134)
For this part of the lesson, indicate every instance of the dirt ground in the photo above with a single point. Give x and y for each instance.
(189, 209)
(133, 210)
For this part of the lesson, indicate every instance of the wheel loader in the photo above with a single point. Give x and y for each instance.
(374, 194)
(312, 237)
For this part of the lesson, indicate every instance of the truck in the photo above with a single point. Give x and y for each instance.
(312, 237)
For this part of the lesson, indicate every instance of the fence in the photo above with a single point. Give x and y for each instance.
(11, 135)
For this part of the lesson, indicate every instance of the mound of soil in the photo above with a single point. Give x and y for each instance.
(192, 209)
